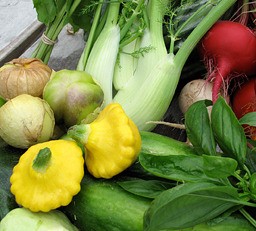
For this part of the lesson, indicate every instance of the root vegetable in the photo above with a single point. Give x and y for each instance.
(193, 91)
(229, 50)
(243, 102)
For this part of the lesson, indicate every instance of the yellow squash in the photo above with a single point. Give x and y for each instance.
(112, 142)
(48, 175)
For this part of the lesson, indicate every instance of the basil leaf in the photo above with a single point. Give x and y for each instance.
(189, 204)
(198, 128)
(219, 167)
(251, 160)
(174, 167)
(249, 119)
(233, 222)
(228, 132)
(188, 167)
(145, 188)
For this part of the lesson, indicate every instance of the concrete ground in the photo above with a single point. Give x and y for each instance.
(18, 27)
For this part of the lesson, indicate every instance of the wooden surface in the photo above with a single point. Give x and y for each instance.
(19, 28)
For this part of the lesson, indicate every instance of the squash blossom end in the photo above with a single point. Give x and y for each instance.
(48, 175)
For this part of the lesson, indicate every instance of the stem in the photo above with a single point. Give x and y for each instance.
(42, 160)
(113, 13)
(173, 125)
(83, 59)
(201, 29)
(248, 217)
(79, 133)
(43, 51)
(242, 13)
(130, 21)
(247, 170)
(52, 32)
(128, 41)
(238, 177)
(156, 13)
(112, 17)
(176, 35)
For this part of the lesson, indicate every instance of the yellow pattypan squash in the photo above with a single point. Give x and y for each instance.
(112, 142)
(48, 175)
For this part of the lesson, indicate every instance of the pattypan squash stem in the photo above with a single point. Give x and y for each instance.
(112, 142)
(79, 133)
(42, 160)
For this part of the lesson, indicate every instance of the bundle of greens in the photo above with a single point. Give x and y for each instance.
(55, 14)
(137, 49)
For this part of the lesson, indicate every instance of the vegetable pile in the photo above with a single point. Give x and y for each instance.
(83, 150)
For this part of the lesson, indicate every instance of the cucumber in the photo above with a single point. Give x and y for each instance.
(103, 205)
(157, 144)
(160, 144)
(9, 157)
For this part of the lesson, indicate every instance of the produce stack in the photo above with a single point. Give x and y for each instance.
(93, 149)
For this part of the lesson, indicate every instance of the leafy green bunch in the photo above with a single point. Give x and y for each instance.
(214, 183)
(55, 14)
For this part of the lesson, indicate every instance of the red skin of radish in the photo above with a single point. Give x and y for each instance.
(244, 101)
(229, 50)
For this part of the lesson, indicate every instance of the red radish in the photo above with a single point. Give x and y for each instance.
(229, 50)
(244, 101)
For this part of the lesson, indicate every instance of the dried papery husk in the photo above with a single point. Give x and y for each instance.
(26, 120)
(23, 76)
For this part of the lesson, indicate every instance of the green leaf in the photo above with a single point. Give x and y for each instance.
(9, 157)
(174, 167)
(251, 160)
(249, 119)
(46, 10)
(199, 129)
(189, 204)
(233, 222)
(181, 20)
(61, 3)
(228, 132)
(82, 18)
(219, 167)
(188, 167)
(145, 188)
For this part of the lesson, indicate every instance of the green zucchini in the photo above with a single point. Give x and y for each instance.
(103, 205)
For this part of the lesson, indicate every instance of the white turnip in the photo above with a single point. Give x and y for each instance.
(195, 90)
